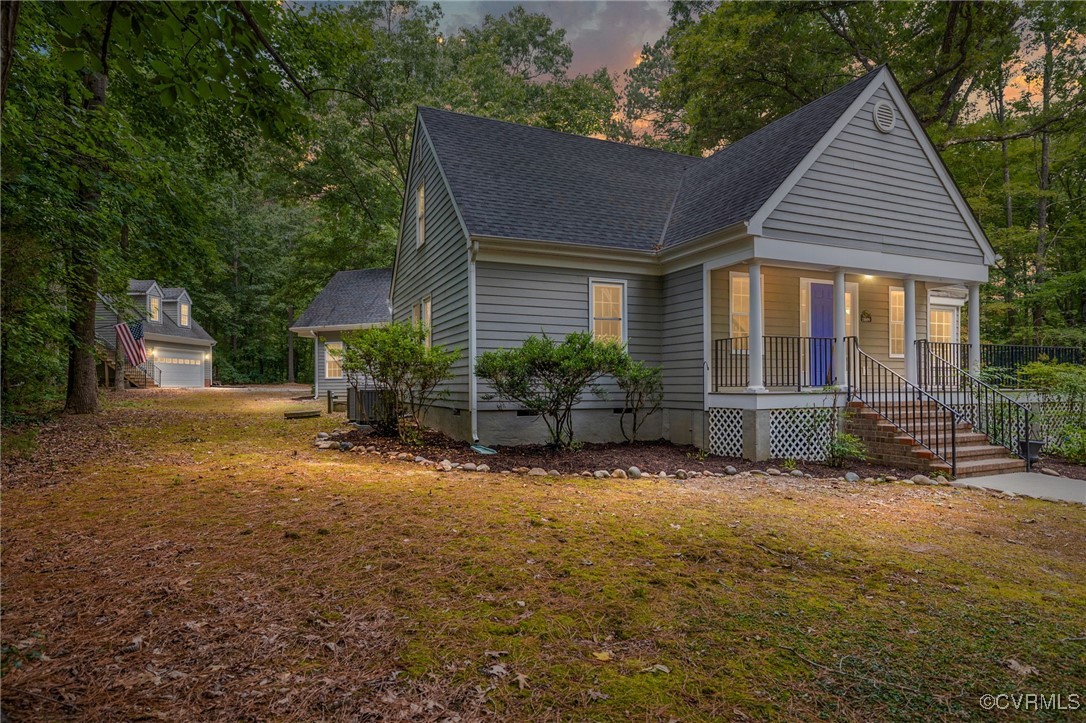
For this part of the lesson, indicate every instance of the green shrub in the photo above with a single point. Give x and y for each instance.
(1071, 444)
(402, 368)
(550, 377)
(643, 386)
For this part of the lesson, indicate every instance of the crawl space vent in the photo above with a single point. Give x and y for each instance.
(885, 117)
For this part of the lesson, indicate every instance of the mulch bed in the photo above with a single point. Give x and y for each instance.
(1061, 465)
(649, 457)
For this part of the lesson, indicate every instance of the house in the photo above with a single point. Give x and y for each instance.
(789, 273)
(179, 351)
(352, 300)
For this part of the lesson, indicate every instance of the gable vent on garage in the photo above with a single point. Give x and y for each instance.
(885, 117)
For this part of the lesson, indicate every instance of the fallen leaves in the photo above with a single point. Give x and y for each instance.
(1019, 668)
(602, 656)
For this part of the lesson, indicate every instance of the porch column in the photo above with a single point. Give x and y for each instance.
(756, 341)
(974, 328)
(839, 331)
(910, 330)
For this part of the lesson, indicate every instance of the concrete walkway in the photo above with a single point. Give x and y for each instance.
(1032, 484)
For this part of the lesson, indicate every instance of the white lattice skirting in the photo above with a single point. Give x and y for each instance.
(1050, 416)
(726, 432)
(801, 434)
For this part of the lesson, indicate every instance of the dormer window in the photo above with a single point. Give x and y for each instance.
(155, 309)
(184, 313)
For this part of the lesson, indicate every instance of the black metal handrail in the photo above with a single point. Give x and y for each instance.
(918, 414)
(999, 363)
(790, 362)
(1005, 421)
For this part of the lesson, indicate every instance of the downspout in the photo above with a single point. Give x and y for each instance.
(473, 396)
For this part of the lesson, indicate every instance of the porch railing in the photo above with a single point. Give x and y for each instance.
(788, 362)
(999, 363)
(918, 414)
(1005, 421)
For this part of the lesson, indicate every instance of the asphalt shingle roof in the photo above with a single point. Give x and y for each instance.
(517, 181)
(139, 286)
(172, 292)
(169, 327)
(351, 297)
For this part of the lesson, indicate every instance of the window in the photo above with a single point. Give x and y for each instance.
(897, 322)
(943, 325)
(333, 353)
(740, 305)
(155, 309)
(608, 310)
(184, 314)
(422, 313)
(420, 215)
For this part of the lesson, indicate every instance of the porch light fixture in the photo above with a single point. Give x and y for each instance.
(206, 355)
(868, 277)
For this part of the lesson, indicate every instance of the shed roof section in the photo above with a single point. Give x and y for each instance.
(351, 298)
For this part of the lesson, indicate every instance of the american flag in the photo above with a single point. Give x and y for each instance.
(130, 336)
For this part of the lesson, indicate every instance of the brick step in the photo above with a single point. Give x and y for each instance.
(974, 467)
(981, 451)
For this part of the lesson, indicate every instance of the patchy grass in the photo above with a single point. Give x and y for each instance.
(191, 555)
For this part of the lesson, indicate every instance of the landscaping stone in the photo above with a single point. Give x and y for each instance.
(796, 473)
(680, 474)
(482, 468)
(586, 474)
(634, 473)
(469, 467)
(730, 470)
(921, 479)
(322, 435)
(618, 473)
(404, 455)
(537, 472)
(371, 448)
(772, 471)
(852, 477)
(420, 459)
(327, 444)
(346, 446)
(601, 474)
(553, 473)
(758, 473)
(445, 465)
(1051, 472)
(869, 480)
(662, 474)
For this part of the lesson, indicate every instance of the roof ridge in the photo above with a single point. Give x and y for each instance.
(561, 133)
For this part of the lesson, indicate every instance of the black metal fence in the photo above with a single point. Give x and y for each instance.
(999, 363)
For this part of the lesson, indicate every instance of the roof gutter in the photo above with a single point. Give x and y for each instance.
(312, 331)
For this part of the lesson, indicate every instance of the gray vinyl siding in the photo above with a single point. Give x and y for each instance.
(515, 301)
(104, 321)
(439, 269)
(876, 191)
(337, 385)
(682, 339)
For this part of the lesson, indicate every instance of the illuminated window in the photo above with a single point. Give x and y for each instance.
(608, 302)
(155, 310)
(739, 306)
(420, 215)
(943, 325)
(333, 353)
(184, 314)
(897, 322)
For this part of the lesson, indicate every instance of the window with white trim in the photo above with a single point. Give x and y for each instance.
(333, 356)
(739, 306)
(608, 311)
(183, 314)
(897, 322)
(943, 325)
(420, 215)
(155, 308)
(422, 313)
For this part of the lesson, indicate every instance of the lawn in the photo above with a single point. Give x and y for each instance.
(192, 556)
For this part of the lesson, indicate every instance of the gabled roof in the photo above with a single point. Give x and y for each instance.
(733, 183)
(169, 327)
(141, 286)
(169, 293)
(521, 182)
(351, 299)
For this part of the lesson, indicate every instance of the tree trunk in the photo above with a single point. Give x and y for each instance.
(290, 344)
(1043, 182)
(9, 18)
(82, 291)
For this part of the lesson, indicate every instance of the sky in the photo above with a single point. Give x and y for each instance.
(602, 33)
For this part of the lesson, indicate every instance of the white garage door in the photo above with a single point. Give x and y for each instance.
(178, 367)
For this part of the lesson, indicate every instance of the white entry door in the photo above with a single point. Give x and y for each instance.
(179, 367)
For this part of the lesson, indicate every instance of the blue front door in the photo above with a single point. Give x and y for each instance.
(820, 351)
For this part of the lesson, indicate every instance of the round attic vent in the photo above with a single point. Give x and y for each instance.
(885, 117)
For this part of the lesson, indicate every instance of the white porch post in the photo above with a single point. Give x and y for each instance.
(757, 330)
(910, 330)
(839, 357)
(974, 328)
